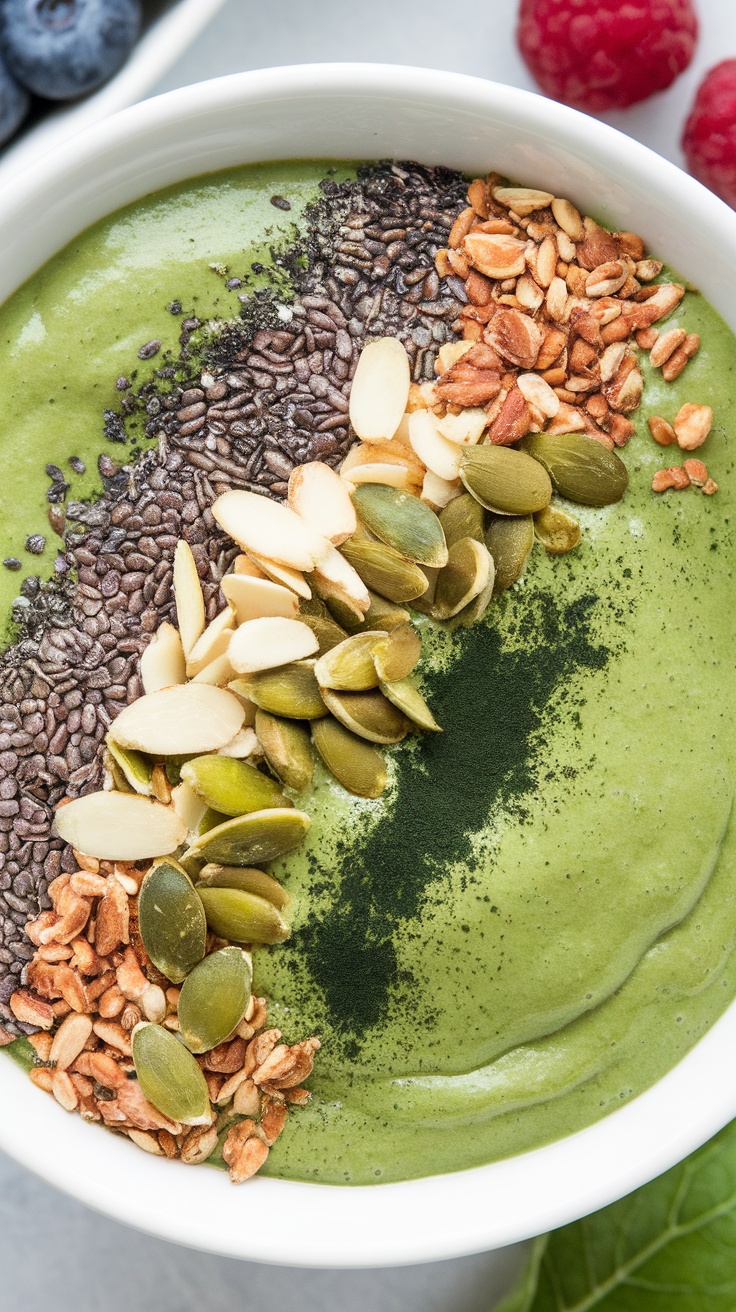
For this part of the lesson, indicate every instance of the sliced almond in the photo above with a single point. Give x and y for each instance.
(188, 805)
(213, 642)
(439, 492)
(538, 393)
(120, 826)
(252, 598)
(244, 565)
(162, 663)
(435, 451)
(264, 644)
(337, 572)
(218, 673)
(380, 389)
(245, 743)
(319, 496)
(495, 254)
(449, 354)
(396, 473)
(466, 427)
(191, 718)
(397, 451)
(188, 596)
(290, 578)
(266, 528)
(522, 200)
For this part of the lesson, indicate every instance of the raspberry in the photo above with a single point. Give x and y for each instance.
(709, 139)
(606, 54)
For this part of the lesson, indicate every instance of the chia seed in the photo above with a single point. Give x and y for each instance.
(150, 349)
(280, 203)
(259, 397)
(36, 544)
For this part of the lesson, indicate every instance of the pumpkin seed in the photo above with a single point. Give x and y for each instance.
(232, 786)
(258, 837)
(356, 764)
(119, 826)
(343, 608)
(247, 879)
(369, 714)
(509, 539)
(402, 522)
(171, 920)
(472, 613)
(215, 998)
(462, 518)
(580, 468)
(396, 655)
(210, 820)
(385, 570)
(135, 767)
(505, 480)
(466, 574)
(557, 532)
(188, 718)
(243, 917)
(292, 691)
(287, 748)
(326, 630)
(403, 694)
(384, 614)
(173, 764)
(350, 665)
(169, 1075)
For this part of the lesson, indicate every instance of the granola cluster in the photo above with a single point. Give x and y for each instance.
(558, 311)
(90, 983)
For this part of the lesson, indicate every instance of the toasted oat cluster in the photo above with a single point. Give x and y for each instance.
(88, 987)
(558, 310)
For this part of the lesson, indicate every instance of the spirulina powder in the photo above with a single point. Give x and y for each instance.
(496, 701)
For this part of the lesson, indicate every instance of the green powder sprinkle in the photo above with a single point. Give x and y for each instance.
(491, 702)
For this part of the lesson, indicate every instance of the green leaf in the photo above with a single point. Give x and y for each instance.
(668, 1247)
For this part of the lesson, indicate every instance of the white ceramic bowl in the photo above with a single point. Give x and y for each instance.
(364, 111)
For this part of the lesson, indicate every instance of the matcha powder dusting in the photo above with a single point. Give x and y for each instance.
(496, 701)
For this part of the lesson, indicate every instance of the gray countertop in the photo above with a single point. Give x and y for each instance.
(54, 1253)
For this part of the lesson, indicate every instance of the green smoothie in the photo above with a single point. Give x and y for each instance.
(538, 919)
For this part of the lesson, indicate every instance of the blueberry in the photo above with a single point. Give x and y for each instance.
(61, 49)
(14, 103)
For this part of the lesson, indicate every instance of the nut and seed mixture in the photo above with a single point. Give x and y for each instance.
(90, 982)
(503, 335)
(372, 245)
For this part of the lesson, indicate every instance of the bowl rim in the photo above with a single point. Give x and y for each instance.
(466, 1211)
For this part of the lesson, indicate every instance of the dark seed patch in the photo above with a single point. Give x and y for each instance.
(240, 410)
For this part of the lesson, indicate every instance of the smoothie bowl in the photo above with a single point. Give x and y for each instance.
(367, 767)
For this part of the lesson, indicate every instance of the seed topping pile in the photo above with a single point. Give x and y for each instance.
(463, 449)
